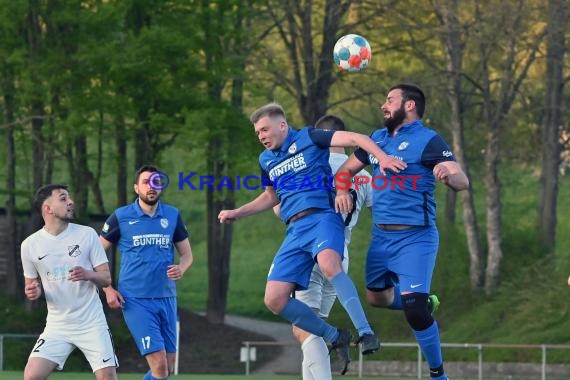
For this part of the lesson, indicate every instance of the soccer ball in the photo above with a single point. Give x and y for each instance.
(352, 53)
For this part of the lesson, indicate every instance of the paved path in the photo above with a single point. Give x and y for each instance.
(289, 361)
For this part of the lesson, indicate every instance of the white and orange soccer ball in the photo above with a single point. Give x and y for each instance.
(352, 53)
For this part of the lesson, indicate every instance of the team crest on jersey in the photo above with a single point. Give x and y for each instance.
(105, 228)
(293, 148)
(164, 222)
(403, 145)
(73, 250)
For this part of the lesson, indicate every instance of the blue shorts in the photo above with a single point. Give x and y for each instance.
(152, 323)
(304, 239)
(406, 257)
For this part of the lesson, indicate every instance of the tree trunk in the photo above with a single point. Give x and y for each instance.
(493, 198)
(219, 243)
(551, 146)
(121, 144)
(14, 279)
(312, 70)
(143, 150)
(80, 177)
(37, 103)
(95, 180)
(452, 40)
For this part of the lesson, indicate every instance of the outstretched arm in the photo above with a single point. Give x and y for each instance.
(264, 201)
(351, 139)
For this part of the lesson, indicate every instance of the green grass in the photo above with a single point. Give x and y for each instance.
(10, 375)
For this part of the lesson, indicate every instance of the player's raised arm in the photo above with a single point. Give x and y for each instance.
(343, 182)
(264, 201)
(351, 139)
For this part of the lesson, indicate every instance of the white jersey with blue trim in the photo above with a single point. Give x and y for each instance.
(361, 195)
(71, 304)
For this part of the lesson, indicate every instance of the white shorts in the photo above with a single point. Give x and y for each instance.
(320, 294)
(96, 344)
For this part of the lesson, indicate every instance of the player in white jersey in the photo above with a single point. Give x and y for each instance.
(320, 294)
(68, 263)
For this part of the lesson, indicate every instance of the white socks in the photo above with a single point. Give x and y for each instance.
(316, 360)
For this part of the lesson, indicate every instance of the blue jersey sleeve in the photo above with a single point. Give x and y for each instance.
(111, 230)
(264, 176)
(321, 137)
(436, 151)
(180, 233)
(362, 155)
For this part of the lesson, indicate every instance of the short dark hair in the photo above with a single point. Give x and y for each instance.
(44, 193)
(412, 92)
(145, 168)
(332, 122)
(271, 110)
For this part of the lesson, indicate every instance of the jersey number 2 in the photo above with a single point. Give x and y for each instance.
(39, 343)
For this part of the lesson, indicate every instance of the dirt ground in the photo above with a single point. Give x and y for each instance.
(204, 348)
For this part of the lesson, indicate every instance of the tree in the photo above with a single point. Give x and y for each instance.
(225, 47)
(500, 79)
(552, 120)
(308, 54)
(454, 44)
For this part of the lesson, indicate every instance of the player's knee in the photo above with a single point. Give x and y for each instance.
(106, 374)
(158, 365)
(380, 298)
(330, 263)
(416, 311)
(274, 303)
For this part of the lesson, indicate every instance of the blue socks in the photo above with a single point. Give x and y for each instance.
(429, 342)
(302, 316)
(348, 297)
(148, 376)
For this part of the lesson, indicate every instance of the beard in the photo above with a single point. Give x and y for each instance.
(150, 201)
(396, 119)
(67, 217)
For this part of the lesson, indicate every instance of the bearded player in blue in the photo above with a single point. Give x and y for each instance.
(295, 165)
(403, 249)
(146, 232)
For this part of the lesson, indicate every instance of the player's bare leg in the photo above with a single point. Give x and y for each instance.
(38, 369)
(383, 298)
(107, 373)
(158, 364)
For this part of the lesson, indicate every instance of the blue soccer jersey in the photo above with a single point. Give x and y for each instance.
(300, 172)
(146, 244)
(407, 197)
